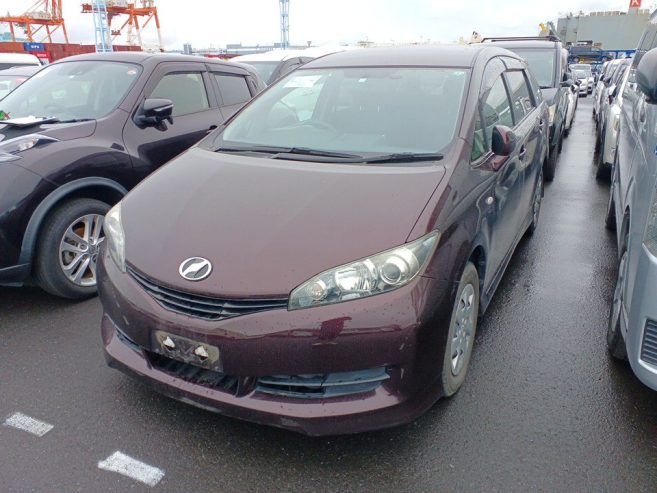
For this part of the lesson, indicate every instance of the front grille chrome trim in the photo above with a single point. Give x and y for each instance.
(200, 306)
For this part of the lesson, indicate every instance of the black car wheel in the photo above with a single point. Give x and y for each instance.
(68, 247)
(462, 329)
(550, 165)
(610, 216)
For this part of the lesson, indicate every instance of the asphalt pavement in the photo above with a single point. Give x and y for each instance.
(543, 408)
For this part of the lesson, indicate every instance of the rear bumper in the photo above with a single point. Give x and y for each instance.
(403, 331)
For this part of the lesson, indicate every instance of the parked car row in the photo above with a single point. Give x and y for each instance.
(293, 226)
(82, 132)
(632, 210)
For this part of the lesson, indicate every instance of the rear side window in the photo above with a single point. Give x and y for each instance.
(234, 88)
(496, 108)
(520, 98)
(185, 89)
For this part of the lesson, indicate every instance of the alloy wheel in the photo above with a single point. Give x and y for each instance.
(78, 250)
(618, 297)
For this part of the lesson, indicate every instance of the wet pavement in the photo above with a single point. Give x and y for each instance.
(543, 407)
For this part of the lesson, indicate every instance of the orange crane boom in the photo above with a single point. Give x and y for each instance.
(146, 11)
(43, 14)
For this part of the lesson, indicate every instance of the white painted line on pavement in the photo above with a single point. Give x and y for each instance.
(24, 422)
(132, 468)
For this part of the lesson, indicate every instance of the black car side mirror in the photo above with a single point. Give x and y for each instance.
(567, 83)
(646, 76)
(154, 112)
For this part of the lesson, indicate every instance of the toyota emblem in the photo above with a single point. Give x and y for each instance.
(195, 269)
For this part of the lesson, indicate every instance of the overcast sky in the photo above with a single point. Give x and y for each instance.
(217, 22)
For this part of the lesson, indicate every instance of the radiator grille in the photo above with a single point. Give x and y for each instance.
(203, 306)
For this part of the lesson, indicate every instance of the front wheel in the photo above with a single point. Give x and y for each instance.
(68, 247)
(610, 216)
(462, 329)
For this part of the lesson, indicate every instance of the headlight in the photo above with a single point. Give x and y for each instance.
(115, 237)
(10, 148)
(551, 110)
(366, 277)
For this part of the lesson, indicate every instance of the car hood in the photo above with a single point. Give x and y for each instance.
(59, 131)
(549, 94)
(267, 225)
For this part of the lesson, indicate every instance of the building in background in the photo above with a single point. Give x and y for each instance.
(609, 30)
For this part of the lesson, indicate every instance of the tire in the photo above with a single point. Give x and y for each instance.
(602, 171)
(610, 216)
(550, 165)
(560, 144)
(77, 251)
(462, 330)
(536, 205)
(615, 341)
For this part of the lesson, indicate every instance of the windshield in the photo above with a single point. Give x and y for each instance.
(264, 69)
(541, 63)
(10, 82)
(583, 67)
(363, 110)
(580, 74)
(72, 91)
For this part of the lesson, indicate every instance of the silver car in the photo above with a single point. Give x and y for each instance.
(609, 121)
(632, 329)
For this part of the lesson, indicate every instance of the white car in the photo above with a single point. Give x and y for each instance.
(573, 98)
(605, 76)
(581, 77)
(608, 136)
(272, 65)
(9, 60)
(589, 80)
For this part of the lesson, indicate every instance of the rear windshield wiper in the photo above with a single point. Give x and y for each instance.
(403, 157)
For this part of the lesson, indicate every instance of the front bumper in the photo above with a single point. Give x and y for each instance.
(640, 311)
(403, 331)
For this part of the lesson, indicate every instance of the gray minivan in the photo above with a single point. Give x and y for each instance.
(632, 330)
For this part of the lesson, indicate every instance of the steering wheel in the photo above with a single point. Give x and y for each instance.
(320, 125)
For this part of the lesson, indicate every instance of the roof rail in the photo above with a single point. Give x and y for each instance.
(551, 37)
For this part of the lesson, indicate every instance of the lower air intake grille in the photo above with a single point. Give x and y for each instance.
(193, 374)
(322, 386)
(649, 345)
(204, 307)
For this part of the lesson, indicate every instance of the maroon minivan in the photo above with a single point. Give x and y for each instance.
(319, 263)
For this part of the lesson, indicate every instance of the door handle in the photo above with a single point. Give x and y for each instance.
(642, 113)
(523, 151)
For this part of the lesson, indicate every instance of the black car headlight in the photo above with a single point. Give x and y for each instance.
(10, 149)
(369, 276)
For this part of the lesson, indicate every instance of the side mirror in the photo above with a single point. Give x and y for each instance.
(154, 112)
(503, 143)
(646, 76)
(567, 83)
(607, 80)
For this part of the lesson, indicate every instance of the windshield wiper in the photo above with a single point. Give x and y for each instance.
(284, 152)
(403, 157)
(304, 151)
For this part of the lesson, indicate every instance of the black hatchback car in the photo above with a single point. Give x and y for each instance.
(548, 63)
(81, 133)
